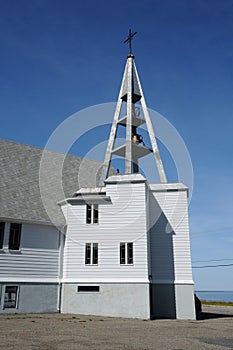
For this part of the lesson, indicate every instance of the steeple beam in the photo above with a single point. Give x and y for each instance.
(153, 141)
(112, 137)
(128, 151)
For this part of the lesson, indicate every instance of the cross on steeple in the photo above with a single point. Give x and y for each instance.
(129, 40)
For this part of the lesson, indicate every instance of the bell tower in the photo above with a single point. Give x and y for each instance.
(127, 241)
(133, 148)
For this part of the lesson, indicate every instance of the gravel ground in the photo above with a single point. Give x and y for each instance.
(68, 332)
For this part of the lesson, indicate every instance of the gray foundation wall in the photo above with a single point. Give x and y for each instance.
(172, 301)
(163, 303)
(118, 300)
(32, 298)
(185, 305)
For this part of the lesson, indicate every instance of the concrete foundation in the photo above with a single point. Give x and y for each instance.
(32, 298)
(119, 300)
(172, 301)
(163, 301)
(185, 305)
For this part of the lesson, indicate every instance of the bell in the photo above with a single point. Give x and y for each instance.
(137, 138)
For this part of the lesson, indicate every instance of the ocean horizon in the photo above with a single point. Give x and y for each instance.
(215, 295)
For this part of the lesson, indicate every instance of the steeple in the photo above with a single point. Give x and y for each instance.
(133, 148)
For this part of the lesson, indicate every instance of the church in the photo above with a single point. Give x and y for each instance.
(119, 249)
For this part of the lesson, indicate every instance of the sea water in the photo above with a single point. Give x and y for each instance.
(215, 295)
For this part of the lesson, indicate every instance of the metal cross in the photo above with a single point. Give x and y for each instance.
(129, 39)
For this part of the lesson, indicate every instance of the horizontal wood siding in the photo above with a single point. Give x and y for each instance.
(37, 259)
(121, 220)
(170, 242)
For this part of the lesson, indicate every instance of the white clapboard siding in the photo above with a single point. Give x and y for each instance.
(123, 219)
(170, 243)
(38, 257)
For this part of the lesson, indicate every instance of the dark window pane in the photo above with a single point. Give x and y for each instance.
(2, 228)
(122, 253)
(88, 288)
(88, 253)
(130, 253)
(10, 297)
(15, 235)
(96, 213)
(88, 214)
(95, 253)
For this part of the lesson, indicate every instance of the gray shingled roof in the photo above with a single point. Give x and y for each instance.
(20, 189)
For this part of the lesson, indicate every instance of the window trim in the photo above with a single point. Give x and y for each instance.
(126, 253)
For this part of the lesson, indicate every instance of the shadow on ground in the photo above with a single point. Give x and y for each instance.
(211, 315)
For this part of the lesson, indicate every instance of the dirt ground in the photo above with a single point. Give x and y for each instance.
(69, 332)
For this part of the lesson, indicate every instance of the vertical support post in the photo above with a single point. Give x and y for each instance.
(112, 137)
(111, 142)
(128, 151)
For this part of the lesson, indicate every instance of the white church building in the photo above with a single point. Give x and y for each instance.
(125, 251)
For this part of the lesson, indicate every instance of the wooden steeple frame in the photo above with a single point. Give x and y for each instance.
(130, 93)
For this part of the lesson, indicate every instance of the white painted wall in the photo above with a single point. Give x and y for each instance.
(170, 241)
(121, 220)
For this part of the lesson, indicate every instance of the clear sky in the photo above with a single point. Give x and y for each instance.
(58, 57)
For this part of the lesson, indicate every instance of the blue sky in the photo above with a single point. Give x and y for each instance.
(58, 57)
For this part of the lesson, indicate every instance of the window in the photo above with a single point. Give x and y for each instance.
(122, 253)
(92, 214)
(129, 253)
(91, 254)
(89, 214)
(10, 297)
(126, 253)
(15, 235)
(88, 288)
(2, 228)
